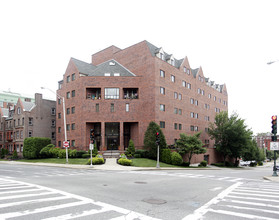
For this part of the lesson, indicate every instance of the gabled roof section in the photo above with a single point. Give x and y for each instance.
(83, 67)
(194, 72)
(28, 106)
(155, 50)
(111, 67)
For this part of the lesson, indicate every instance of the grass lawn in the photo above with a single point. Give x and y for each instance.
(144, 162)
(81, 161)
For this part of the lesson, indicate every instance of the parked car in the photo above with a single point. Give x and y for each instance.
(244, 163)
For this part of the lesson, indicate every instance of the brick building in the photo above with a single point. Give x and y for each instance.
(121, 91)
(27, 119)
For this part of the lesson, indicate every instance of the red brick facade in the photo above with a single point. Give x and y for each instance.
(173, 95)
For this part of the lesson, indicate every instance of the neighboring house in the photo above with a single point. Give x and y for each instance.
(121, 91)
(27, 119)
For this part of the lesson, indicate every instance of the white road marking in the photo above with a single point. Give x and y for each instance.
(216, 188)
(198, 213)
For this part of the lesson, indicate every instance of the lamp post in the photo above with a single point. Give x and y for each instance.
(64, 116)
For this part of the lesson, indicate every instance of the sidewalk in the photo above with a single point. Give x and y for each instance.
(112, 165)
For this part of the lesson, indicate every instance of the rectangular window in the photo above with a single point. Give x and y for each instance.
(97, 107)
(196, 115)
(162, 107)
(73, 76)
(68, 95)
(196, 128)
(179, 96)
(184, 84)
(59, 115)
(196, 102)
(162, 73)
(30, 121)
(68, 127)
(73, 143)
(21, 134)
(188, 71)
(59, 143)
(59, 101)
(73, 126)
(172, 78)
(188, 85)
(111, 107)
(180, 126)
(209, 96)
(30, 133)
(185, 69)
(68, 111)
(22, 121)
(111, 93)
(53, 123)
(68, 79)
(175, 95)
(53, 135)
(73, 93)
(175, 126)
(192, 101)
(162, 90)
(127, 107)
(180, 111)
(175, 110)
(59, 129)
(73, 110)
(53, 112)
(162, 124)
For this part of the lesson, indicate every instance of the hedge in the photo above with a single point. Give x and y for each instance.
(33, 145)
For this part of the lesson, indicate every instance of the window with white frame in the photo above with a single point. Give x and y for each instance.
(111, 93)
(127, 107)
(183, 83)
(175, 95)
(172, 78)
(162, 90)
(162, 73)
(162, 107)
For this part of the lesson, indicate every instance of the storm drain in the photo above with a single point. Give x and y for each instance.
(155, 201)
(141, 182)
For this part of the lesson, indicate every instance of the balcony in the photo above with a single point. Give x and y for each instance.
(130, 93)
(93, 93)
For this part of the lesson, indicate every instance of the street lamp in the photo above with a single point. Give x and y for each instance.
(65, 129)
(271, 62)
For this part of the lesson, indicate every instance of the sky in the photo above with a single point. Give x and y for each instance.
(231, 40)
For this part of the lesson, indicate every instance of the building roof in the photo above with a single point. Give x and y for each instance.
(28, 106)
(5, 112)
(111, 67)
(83, 67)
(195, 71)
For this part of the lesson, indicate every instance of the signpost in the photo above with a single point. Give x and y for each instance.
(274, 145)
(66, 144)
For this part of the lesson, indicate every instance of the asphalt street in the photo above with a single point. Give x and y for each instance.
(43, 192)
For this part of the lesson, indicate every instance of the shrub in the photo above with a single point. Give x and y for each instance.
(125, 162)
(96, 160)
(260, 163)
(4, 152)
(131, 149)
(73, 153)
(166, 156)
(228, 164)
(143, 153)
(54, 152)
(80, 153)
(185, 164)
(176, 158)
(33, 146)
(137, 156)
(85, 155)
(203, 163)
(62, 153)
(15, 156)
(123, 156)
(45, 151)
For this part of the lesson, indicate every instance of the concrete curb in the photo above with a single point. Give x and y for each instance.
(272, 178)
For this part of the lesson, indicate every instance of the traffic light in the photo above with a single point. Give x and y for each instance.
(92, 134)
(274, 124)
(157, 137)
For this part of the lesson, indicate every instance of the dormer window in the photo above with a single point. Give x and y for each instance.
(18, 110)
(161, 56)
(107, 74)
(172, 62)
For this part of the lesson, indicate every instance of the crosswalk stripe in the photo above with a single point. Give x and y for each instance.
(19, 191)
(253, 198)
(251, 203)
(243, 215)
(26, 195)
(253, 209)
(254, 194)
(33, 201)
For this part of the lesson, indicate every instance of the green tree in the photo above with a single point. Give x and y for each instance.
(230, 134)
(190, 145)
(131, 148)
(150, 139)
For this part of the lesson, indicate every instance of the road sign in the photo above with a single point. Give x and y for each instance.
(66, 144)
(274, 145)
(91, 146)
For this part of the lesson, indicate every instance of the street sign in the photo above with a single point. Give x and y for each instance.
(91, 146)
(274, 145)
(65, 144)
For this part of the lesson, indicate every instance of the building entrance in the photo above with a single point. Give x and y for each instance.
(112, 135)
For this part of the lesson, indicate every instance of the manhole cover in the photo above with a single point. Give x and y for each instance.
(141, 182)
(155, 201)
